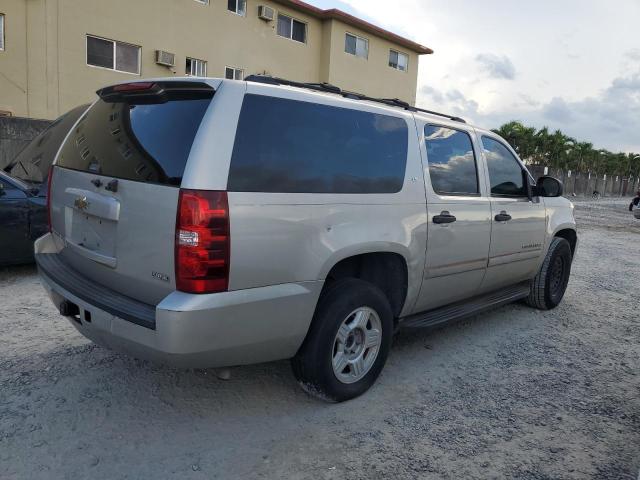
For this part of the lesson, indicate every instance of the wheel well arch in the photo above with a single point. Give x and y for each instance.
(570, 236)
(386, 270)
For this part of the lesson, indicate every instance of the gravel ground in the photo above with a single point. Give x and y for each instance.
(513, 393)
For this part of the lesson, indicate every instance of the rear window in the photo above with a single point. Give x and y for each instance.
(145, 142)
(290, 146)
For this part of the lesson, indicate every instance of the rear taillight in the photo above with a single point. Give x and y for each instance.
(202, 242)
(49, 178)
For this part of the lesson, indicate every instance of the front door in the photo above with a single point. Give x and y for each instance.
(459, 211)
(518, 220)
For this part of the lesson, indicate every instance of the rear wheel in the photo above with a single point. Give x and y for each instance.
(348, 342)
(547, 289)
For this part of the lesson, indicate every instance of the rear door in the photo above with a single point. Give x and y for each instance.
(518, 220)
(116, 182)
(458, 209)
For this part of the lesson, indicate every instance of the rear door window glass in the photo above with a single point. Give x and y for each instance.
(302, 147)
(452, 163)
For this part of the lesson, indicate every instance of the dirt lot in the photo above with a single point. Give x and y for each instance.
(512, 393)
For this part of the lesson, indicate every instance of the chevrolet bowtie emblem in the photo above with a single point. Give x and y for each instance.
(81, 203)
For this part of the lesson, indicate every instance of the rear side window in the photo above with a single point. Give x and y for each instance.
(505, 173)
(290, 146)
(452, 164)
(145, 142)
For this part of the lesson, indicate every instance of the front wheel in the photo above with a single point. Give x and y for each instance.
(348, 342)
(547, 289)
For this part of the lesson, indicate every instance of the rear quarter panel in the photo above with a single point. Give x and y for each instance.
(297, 237)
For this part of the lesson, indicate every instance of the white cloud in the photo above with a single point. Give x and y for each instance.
(572, 65)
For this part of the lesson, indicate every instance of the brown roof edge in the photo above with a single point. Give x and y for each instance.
(334, 13)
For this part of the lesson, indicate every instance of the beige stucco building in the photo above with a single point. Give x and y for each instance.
(54, 54)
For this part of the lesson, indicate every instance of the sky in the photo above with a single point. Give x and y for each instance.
(572, 65)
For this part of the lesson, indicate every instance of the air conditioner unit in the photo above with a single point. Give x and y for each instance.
(167, 59)
(266, 13)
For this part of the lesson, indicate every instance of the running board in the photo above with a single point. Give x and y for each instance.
(467, 308)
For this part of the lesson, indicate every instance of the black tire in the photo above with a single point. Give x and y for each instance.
(312, 365)
(548, 288)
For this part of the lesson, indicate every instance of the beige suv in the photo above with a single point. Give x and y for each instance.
(207, 223)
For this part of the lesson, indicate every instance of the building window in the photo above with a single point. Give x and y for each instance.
(237, 6)
(292, 29)
(119, 56)
(356, 46)
(195, 67)
(1, 31)
(231, 73)
(398, 60)
(204, 2)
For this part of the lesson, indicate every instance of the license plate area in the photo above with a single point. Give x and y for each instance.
(92, 233)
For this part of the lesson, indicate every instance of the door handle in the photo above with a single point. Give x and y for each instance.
(503, 217)
(444, 218)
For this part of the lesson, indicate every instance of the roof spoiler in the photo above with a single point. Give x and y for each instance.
(155, 92)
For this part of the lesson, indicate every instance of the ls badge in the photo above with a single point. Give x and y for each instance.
(160, 276)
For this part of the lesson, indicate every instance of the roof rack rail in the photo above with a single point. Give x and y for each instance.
(327, 87)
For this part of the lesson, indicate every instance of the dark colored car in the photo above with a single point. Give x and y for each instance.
(23, 191)
(23, 215)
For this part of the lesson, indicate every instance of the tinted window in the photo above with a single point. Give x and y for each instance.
(148, 143)
(291, 146)
(452, 164)
(505, 173)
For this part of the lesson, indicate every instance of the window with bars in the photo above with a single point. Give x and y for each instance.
(398, 60)
(237, 6)
(357, 46)
(292, 29)
(195, 67)
(114, 55)
(232, 73)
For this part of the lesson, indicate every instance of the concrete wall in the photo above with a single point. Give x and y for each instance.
(16, 134)
(43, 71)
(583, 185)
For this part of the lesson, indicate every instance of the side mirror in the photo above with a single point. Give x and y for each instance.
(549, 187)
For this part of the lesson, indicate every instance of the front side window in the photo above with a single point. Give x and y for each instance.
(452, 164)
(237, 6)
(505, 172)
(357, 46)
(114, 55)
(195, 67)
(398, 60)
(291, 28)
(231, 73)
(1, 31)
(289, 146)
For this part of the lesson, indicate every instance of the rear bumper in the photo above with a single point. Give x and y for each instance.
(193, 331)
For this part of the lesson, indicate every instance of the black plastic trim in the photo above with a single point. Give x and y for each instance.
(329, 88)
(52, 266)
(467, 308)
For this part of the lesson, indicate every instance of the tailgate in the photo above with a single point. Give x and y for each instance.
(115, 185)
